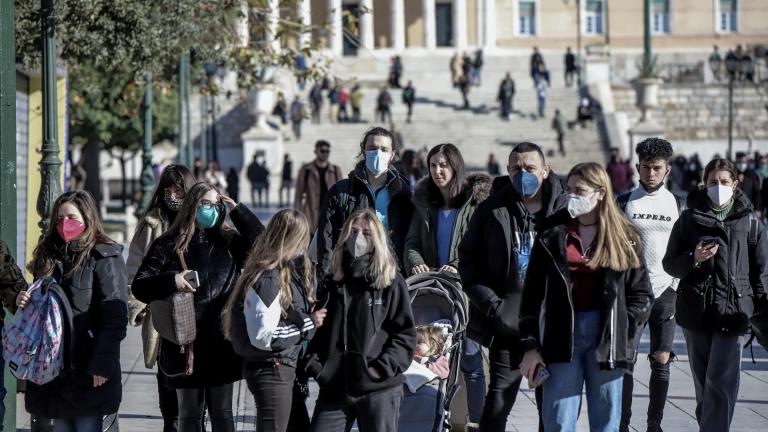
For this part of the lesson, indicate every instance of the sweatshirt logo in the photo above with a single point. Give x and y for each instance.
(649, 216)
(377, 302)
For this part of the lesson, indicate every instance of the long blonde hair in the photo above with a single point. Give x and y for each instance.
(286, 236)
(617, 239)
(383, 266)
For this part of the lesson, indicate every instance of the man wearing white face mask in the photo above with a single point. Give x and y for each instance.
(653, 210)
(374, 184)
(719, 252)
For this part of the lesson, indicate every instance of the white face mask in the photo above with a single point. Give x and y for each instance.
(579, 205)
(720, 194)
(358, 245)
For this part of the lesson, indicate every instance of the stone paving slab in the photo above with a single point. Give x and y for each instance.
(139, 411)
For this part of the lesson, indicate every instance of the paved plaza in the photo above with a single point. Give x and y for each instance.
(140, 413)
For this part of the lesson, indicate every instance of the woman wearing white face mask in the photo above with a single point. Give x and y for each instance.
(368, 337)
(588, 277)
(719, 252)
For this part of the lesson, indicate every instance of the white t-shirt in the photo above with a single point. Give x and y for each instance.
(654, 214)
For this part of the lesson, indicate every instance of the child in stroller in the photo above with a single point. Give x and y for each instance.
(430, 349)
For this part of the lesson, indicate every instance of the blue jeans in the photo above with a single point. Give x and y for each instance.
(562, 391)
(77, 424)
(474, 377)
(2, 386)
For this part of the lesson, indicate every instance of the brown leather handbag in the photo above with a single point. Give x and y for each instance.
(174, 320)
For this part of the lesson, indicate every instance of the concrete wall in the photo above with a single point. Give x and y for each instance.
(700, 112)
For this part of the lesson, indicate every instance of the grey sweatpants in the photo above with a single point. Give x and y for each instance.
(715, 360)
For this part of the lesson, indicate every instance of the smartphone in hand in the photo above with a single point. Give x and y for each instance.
(541, 375)
(192, 279)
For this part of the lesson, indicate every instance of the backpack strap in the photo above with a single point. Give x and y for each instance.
(622, 201)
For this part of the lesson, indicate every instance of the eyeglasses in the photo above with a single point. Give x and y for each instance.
(205, 204)
(326, 151)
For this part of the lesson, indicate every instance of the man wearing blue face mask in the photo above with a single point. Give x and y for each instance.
(493, 259)
(375, 184)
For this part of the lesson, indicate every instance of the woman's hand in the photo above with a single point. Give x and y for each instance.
(703, 252)
(181, 284)
(374, 373)
(318, 317)
(230, 203)
(421, 268)
(531, 360)
(23, 299)
(449, 269)
(98, 381)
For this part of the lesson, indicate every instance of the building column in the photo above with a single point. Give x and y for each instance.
(489, 24)
(273, 19)
(430, 31)
(366, 24)
(460, 24)
(305, 15)
(336, 38)
(397, 25)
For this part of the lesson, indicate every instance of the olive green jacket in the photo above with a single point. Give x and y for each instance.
(421, 242)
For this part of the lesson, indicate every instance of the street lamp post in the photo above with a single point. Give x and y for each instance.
(147, 174)
(731, 66)
(50, 188)
(210, 72)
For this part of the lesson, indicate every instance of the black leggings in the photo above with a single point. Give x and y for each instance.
(192, 404)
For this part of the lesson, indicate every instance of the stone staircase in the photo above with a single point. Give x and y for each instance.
(439, 117)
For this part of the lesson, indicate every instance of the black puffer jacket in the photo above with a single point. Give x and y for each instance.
(723, 293)
(354, 193)
(365, 327)
(547, 315)
(97, 292)
(488, 261)
(217, 255)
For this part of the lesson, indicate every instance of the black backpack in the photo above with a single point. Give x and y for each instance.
(238, 335)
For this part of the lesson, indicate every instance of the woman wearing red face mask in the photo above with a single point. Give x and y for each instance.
(90, 269)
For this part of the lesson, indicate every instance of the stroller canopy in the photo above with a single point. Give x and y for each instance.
(438, 296)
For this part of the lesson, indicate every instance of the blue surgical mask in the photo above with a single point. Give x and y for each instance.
(525, 184)
(207, 217)
(377, 161)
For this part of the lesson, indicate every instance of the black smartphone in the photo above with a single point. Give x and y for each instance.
(193, 279)
(708, 241)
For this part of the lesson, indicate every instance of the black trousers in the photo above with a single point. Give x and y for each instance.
(502, 390)
(192, 405)
(661, 323)
(279, 406)
(376, 412)
(169, 404)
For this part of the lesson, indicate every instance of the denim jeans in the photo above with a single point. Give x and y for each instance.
(474, 377)
(78, 424)
(562, 391)
(2, 386)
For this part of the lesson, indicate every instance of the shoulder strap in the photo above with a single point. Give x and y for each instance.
(183, 261)
(622, 201)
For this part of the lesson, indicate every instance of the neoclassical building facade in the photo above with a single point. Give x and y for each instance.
(412, 25)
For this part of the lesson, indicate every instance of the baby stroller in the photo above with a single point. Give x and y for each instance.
(436, 297)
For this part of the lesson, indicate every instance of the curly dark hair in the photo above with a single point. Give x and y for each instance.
(651, 149)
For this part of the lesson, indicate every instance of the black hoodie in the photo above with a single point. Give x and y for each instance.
(365, 327)
(488, 259)
(722, 293)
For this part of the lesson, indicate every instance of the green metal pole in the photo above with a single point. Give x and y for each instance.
(187, 120)
(50, 187)
(204, 128)
(147, 173)
(647, 34)
(8, 204)
(182, 117)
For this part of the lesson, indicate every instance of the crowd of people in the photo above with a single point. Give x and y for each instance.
(562, 274)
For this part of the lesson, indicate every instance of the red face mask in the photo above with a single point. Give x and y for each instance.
(69, 229)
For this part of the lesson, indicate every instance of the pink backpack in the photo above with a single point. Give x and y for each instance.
(33, 342)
